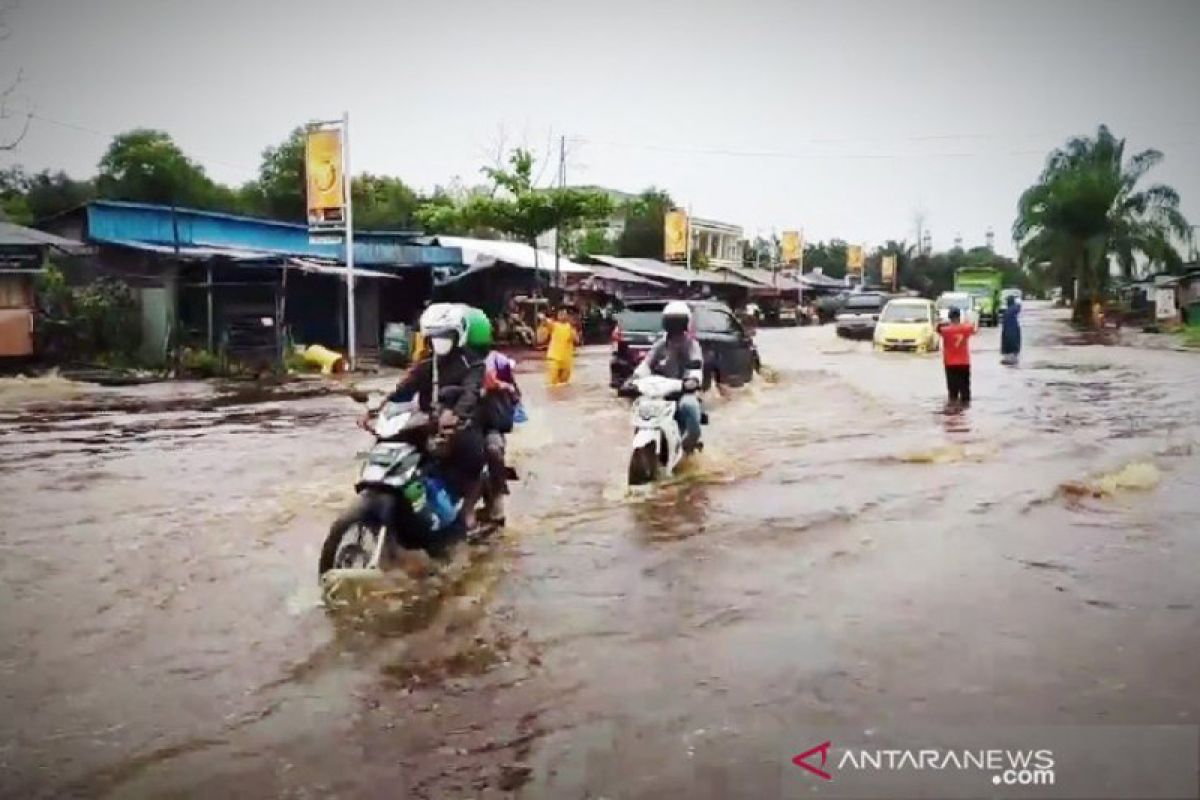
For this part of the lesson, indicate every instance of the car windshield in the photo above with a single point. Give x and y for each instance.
(954, 301)
(906, 312)
(864, 303)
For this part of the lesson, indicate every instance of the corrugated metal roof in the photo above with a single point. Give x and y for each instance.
(621, 276)
(765, 278)
(197, 253)
(112, 222)
(18, 235)
(483, 253)
(251, 258)
(657, 270)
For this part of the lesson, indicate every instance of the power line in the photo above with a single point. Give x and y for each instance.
(106, 135)
(825, 154)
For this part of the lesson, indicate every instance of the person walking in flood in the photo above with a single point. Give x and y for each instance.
(956, 356)
(560, 354)
(1010, 332)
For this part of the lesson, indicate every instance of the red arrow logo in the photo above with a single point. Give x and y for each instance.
(823, 749)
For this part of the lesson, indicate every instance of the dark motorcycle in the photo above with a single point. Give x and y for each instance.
(401, 503)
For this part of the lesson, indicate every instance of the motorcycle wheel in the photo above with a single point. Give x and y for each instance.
(352, 538)
(643, 465)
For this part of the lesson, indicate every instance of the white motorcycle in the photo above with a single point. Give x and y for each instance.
(657, 440)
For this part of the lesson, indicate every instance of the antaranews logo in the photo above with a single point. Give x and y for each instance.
(1007, 767)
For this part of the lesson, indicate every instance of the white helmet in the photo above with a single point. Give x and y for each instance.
(676, 317)
(444, 326)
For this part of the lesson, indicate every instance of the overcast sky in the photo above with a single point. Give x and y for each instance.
(840, 118)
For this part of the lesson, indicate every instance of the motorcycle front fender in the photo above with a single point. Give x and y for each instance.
(645, 436)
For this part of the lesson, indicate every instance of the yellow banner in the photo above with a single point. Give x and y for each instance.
(854, 258)
(675, 236)
(324, 179)
(791, 249)
(889, 268)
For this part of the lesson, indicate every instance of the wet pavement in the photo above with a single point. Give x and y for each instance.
(847, 552)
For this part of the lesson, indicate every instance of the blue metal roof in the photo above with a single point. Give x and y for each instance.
(120, 223)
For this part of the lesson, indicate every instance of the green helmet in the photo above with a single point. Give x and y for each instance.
(479, 329)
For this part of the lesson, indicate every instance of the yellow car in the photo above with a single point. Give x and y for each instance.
(908, 324)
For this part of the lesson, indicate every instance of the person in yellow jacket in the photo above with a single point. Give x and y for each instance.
(560, 354)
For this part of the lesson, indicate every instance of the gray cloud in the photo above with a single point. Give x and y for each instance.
(841, 117)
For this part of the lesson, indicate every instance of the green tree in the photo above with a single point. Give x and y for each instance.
(644, 215)
(14, 206)
(595, 242)
(383, 202)
(279, 192)
(902, 250)
(1086, 210)
(380, 201)
(51, 193)
(514, 207)
(829, 257)
(147, 166)
(757, 253)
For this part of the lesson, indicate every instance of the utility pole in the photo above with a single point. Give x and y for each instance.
(562, 184)
(688, 256)
(352, 333)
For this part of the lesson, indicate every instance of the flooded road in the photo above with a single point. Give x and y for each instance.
(846, 552)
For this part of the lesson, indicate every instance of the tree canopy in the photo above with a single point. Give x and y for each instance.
(147, 166)
(645, 218)
(1086, 211)
(513, 206)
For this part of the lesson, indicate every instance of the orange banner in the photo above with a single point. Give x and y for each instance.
(675, 236)
(791, 249)
(854, 258)
(888, 269)
(324, 179)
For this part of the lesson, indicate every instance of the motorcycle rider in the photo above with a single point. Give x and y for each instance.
(676, 354)
(456, 375)
(497, 409)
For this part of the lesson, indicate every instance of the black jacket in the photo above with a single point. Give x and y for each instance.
(460, 381)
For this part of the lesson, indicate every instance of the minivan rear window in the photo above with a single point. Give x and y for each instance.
(864, 301)
(708, 320)
(713, 321)
(640, 320)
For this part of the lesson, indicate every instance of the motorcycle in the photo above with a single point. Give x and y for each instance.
(657, 445)
(401, 500)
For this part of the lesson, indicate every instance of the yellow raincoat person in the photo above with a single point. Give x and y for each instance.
(560, 354)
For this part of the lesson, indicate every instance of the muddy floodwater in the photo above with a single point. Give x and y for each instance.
(846, 553)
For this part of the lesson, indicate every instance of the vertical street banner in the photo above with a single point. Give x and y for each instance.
(889, 270)
(324, 179)
(792, 249)
(675, 236)
(854, 258)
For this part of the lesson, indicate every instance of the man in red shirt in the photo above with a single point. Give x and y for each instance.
(956, 355)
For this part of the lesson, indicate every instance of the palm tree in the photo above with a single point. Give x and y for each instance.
(1086, 210)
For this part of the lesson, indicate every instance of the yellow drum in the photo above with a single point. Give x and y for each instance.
(326, 359)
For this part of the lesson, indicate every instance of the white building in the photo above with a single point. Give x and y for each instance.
(719, 242)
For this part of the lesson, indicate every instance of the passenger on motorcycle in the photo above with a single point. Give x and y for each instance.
(456, 375)
(497, 408)
(677, 355)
